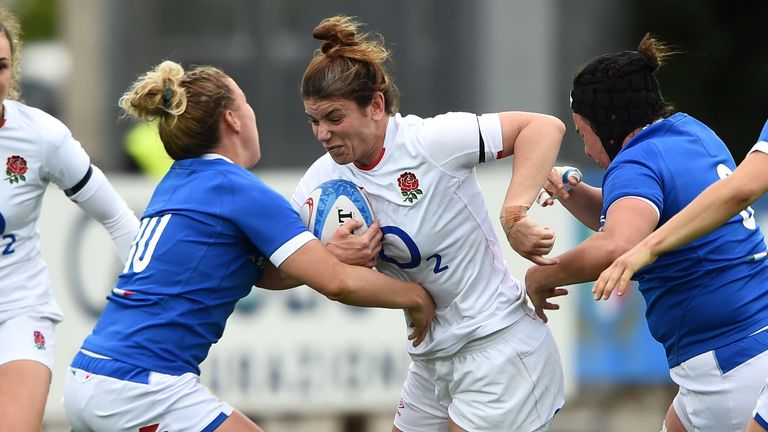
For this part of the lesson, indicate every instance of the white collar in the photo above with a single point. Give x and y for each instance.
(211, 156)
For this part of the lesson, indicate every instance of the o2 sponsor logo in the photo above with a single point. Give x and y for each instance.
(7, 240)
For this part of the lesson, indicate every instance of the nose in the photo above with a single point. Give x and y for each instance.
(323, 132)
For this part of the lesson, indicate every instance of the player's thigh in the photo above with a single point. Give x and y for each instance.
(420, 409)
(237, 422)
(26, 360)
(453, 427)
(24, 388)
(514, 381)
(759, 420)
(715, 397)
(27, 337)
(672, 422)
(753, 426)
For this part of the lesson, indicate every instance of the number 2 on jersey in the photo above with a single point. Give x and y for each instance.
(413, 251)
(7, 248)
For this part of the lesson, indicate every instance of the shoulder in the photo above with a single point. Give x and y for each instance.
(682, 124)
(323, 167)
(233, 175)
(33, 118)
(243, 183)
(446, 121)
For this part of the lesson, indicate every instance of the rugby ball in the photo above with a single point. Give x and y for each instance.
(333, 203)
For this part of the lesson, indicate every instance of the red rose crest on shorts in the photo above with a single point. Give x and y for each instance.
(409, 186)
(39, 340)
(15, 168)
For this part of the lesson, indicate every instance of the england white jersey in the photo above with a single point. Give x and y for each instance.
(37, 149)
(437, 231)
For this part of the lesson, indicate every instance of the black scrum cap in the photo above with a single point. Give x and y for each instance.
(616, 94)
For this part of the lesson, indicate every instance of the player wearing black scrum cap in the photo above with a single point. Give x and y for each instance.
(707, 302)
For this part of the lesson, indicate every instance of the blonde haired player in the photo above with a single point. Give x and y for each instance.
(211, 230)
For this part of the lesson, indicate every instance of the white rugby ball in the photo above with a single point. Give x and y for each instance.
(333, 203)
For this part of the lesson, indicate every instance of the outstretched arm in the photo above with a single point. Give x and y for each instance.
(313, 265)
(628, 221)
(712, 208)
(96, 196)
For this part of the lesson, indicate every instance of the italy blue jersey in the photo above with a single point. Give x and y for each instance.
(204, 241)
(712, 291)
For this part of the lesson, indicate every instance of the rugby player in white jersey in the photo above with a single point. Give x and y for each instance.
(211, 230)
(488, 364)
(37, 149)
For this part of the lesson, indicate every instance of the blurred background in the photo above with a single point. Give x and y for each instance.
(292, 360)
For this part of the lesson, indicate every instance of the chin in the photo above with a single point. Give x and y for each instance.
(341, 160)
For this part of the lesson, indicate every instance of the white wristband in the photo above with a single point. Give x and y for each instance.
(565, 173)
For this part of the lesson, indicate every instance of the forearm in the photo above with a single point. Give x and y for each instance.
(361, 286)
(585, 203)
(581, 264)
(718, 203)
(535, 150)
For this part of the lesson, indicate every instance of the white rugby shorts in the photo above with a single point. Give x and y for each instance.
(27, 337)
(718, 388)
(102, 394)
(760, 414)
(511, 380)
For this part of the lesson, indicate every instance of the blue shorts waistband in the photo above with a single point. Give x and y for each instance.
(741, 351)
(111, 368)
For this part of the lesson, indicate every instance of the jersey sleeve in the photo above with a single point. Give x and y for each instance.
(65, 161)
(270, 223)
(457, 142)
(635, 176)
(762, 141)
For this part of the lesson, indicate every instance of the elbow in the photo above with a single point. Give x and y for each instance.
(616, 248)
(336, 287)
(558, 125)
(743, 195)
(552, 123)
(336, 293)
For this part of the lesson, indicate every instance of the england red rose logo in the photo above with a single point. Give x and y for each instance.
(409, 186)
(15, 168)
(39, 340)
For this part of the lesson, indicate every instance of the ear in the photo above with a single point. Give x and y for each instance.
(378, 106)
(231, 121)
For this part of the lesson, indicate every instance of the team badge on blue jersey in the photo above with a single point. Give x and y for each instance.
(409, 186)
(15, 168)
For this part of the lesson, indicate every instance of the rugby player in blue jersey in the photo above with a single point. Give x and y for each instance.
(210, 232)
(707, 302)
